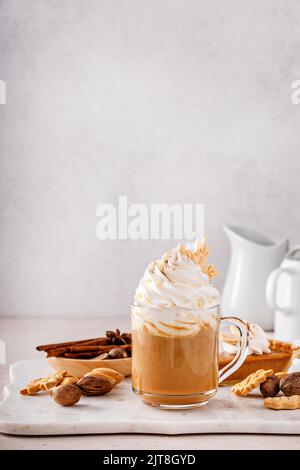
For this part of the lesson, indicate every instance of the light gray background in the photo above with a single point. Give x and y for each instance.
(164, 101)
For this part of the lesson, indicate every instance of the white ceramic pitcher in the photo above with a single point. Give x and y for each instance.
(253, 257)
(283, 296)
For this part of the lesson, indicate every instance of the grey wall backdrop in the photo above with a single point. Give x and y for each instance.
(161, 100)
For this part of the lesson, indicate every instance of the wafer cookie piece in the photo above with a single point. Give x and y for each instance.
(44, 383)
(251, 382)
(283, 403)
(69, 380)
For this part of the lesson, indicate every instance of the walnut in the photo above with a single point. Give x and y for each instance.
(290, 385)
(66, 395)
(270, 388)
(95, 384)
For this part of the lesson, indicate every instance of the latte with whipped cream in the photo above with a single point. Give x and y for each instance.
(175, 327)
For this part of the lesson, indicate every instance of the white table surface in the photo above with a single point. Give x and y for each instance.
(21, 335)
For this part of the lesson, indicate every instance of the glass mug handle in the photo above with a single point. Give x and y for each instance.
(241, 354)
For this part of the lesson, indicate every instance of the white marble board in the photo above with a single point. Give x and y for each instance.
(122, 412)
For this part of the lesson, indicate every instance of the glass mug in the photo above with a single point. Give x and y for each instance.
(175, 355)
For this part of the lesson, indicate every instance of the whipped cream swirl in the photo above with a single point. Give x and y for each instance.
(173, 323)
(258, 341)
(177, 281)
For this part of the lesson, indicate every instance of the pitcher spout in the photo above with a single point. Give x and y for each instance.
(249, 236)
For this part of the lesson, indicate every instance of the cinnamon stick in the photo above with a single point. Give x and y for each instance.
(56, 352)
(87, 355)
(96, 350)
(46, 347)
(96, 342)
(73, 349)
(61, 351)
(87, 348)
(82, 355)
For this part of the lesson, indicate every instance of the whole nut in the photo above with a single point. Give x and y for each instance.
(66, 395)
(95, 384)
(270, 388)
(117, 353)
(111, 379)
(106, 371)
(290, 385)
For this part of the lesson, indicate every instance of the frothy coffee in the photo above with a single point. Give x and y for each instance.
(177, 368)
(175, 327)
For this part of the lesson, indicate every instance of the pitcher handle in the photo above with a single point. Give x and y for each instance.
(242, 352)
(271, 287)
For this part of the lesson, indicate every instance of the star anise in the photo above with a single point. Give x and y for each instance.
(127, 337)
(115, 337)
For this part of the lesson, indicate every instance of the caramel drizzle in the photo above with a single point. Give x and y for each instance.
(174, 327)
(149, 323)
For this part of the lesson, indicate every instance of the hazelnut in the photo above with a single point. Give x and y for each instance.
(66, 395)
(290, 385)
(270, 388)
(95, 384)
(117, 353)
